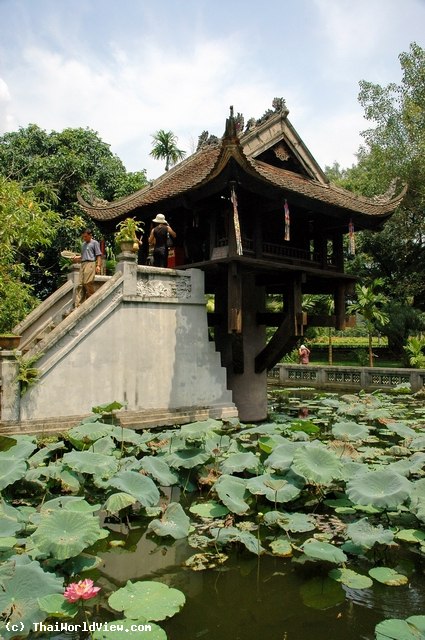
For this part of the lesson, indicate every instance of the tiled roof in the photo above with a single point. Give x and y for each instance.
(209, 161)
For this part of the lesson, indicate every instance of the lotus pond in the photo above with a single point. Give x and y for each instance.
(308, 526)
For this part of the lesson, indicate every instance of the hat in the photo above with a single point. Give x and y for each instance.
(303, 346)
(160, 218)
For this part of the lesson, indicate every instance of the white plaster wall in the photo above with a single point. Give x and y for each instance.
(147, 353)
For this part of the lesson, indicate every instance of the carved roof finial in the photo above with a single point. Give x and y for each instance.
(231, 131)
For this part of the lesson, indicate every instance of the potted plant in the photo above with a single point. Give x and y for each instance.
(9, 341)
(126, 236)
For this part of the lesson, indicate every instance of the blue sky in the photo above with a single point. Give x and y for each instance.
(127, 68)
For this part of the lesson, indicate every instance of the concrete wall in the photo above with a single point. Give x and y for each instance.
(142, 340)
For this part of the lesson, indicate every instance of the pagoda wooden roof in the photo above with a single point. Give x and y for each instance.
(214, 165)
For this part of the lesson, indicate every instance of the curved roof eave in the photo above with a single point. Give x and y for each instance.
(206, 165)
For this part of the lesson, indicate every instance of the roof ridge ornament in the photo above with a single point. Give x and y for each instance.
(231, 132)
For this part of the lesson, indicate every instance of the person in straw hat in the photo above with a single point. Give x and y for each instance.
(304, 354)
(158, 238)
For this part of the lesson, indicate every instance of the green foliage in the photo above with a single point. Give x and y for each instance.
(165, 148)
(370, 304)
(415, 351)
(152, 600)
(127, 230)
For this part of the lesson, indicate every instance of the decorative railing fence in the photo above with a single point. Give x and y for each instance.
(355, 378)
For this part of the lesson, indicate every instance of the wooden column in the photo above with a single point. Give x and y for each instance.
(339, 300)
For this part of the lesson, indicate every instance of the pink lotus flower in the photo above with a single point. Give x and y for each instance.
(82, 590)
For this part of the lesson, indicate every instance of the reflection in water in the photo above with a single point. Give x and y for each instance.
(273, 598)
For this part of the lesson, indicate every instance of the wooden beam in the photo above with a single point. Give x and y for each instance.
(234, 297)
(280, 343)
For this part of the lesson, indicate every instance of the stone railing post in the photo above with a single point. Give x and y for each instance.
(10, 386)
(127, 265)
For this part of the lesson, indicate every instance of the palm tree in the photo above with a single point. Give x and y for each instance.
(165, 148)
(369, 305)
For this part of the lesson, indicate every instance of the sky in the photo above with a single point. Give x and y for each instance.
(127, 68)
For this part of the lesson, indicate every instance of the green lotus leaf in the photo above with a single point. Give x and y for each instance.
(26, 583)
(7, 542)
(11, 519)
(64, 534)
(210, 509)
(215, 445)
(11, 469)
(6, 443)
(187, 458)
(201, 430)
(324, 551)
(22, 450)
(105, 446)
(322, 593)
(85, 434)
(233, 493)
(381, 489)
(351, 579)
(306, 426)
(402, 430)
(203, 561)
(95, 464)
(80, 564)
(363, 534)
(152, 600)
(394, 629)
(69, 503)
(282, 456)
(45, 453)
(274, 487)
(174, 522)
(388, 576)
(226, 535)
(294, 522)
(108, 407)
(137, 485)
(129, 436)
(70, 481)
(239, 462)
(349, 431)
(159, 470)
(124, 630)
(316, 464)
(118, 501)
(281, 547)
(56, 605)
(418, 443)
(415, 536)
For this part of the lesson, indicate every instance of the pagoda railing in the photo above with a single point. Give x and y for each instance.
(273, 250)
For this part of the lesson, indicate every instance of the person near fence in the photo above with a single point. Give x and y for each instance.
(303, 354)
(159, 238)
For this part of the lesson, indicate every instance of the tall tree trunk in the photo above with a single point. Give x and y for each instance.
(370, 350)
(330, 350)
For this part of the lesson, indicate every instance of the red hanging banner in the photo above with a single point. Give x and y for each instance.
(351, 239)
(234, 201)
(287, 222)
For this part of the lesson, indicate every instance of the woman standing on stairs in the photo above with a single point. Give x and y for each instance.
(91, 262)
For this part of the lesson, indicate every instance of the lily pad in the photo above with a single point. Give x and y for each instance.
(64, 534)
(274, 487)
(364, 534)
(281, 547)
(159, 470)
(56, 605)
(381, 489)
(209, 509)
(324, 551)
(412, 628)
(11, 469)
(150, 599)
(225, 535)
(233, 493)
(187, 458)
(118, 501)
(19, 596)
(239, 462)
(351, 579)
(415, 536)
(349, 431)
(174, 522)
(316, 464)
(388, 576)
(203, 561)
(137, 485)
(96, 464)
(294, 522)
(322, 593)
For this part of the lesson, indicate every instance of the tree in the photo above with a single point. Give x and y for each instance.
(369, 305)
(165, 148)
(394, 150)
(55, 166)
(27, 227)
